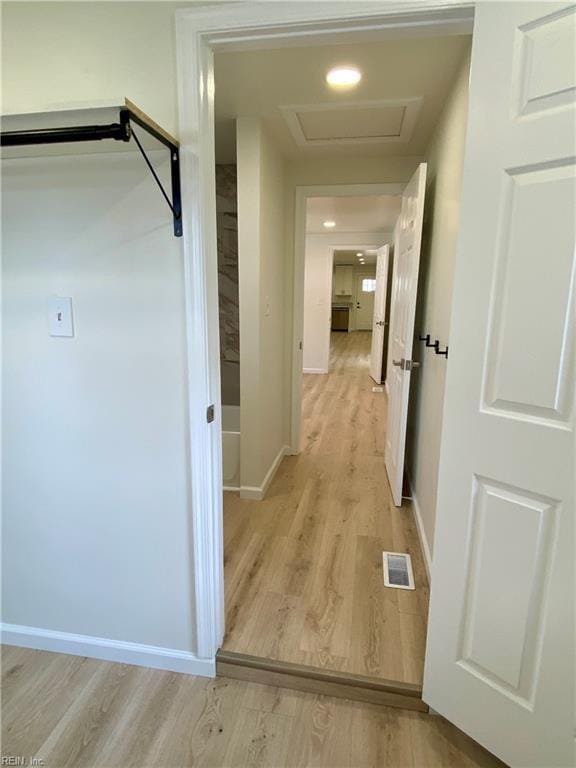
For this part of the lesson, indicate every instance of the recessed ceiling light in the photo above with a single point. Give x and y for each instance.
(343, 77)
(360, 255)
(329, 224)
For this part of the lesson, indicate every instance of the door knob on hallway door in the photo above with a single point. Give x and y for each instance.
(409, 365)
(406, 365)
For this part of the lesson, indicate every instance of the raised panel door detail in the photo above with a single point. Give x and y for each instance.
(511, 543)
(547, 73)
(530, 362)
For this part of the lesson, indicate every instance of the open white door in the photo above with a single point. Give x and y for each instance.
(379, 318)
(500, 656)
(402, 313)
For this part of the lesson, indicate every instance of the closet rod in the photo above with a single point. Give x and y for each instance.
(61, 135)
(121, 131)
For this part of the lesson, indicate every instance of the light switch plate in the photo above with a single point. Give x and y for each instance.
(60, 322)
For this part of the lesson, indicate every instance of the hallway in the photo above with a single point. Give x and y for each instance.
(303, 568)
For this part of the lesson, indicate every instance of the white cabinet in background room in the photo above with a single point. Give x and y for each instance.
(343, 281)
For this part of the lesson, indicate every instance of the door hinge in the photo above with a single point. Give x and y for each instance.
(210, 414)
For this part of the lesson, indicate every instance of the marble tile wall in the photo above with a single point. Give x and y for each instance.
(227, 230)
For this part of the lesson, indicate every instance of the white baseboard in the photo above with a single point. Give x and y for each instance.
(231, 488)
(421, 534)
(253, 492)
(315, 370)
(121, 651)
(257, 492)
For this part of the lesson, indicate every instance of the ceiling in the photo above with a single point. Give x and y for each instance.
(392, 111)
(375, 213)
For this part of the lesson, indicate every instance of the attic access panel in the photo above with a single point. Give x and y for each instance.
(358, 122)
(105, 128)
(352, 123)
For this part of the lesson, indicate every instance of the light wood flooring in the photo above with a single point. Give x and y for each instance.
(75, 712)
(303, 568)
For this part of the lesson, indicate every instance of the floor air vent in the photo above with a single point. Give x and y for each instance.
(398, 570)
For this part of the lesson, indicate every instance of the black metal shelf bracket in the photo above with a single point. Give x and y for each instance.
(175, 204)
(176, 213)
(121, 131)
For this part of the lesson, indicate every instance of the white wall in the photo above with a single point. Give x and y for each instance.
(274, 376)
(96, 537)
(55, 53)
(249, 279)
(445, 160)
(318, 261)
(317, 303)
(264, 390)
(96, 514)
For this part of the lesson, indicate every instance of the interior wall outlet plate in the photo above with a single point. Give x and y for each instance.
(60, 321)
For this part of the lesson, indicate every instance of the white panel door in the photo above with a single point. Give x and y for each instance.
(402, 312)
(379, 315)
(365, 289)
(500, 655)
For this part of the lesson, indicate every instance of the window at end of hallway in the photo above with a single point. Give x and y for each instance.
(368, 285)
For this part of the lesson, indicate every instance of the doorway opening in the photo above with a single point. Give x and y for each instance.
(339, 267)
(312, 513)
(486, 393)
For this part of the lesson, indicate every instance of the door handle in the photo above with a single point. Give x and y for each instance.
(406, 365)
(380, 322)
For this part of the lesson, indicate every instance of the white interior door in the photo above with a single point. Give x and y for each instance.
(500, 656)
(379, 314)
(402, 311)
(364, 301)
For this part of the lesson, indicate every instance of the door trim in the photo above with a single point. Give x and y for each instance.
(199, 32)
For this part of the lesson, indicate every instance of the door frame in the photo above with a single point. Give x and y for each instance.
(303, 193)
(297, 366)
(199, 32)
